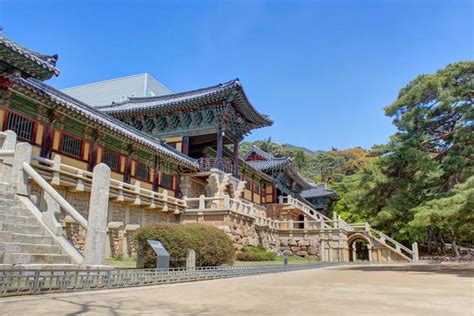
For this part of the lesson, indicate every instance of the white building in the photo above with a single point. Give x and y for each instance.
(118, 90)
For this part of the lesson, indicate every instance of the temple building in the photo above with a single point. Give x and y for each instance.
(162, 156)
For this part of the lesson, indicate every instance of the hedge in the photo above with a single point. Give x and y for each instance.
(212, 246)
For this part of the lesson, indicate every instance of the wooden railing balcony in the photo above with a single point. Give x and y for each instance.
(206, 164)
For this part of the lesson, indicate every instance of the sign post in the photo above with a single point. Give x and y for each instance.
(162, 256)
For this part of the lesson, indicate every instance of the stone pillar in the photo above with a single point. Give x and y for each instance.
(190, 259)
(97, 220)
(220, 140)
(8, 143)
(414, 248)
(236, 159)
(369, 250)
(18, 175)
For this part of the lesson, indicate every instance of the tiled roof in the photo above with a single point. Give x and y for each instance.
(228, 91)
(318, 191)
(114, 125)
(44, 61)
(270, 163)
(259, 152)
(275, 163)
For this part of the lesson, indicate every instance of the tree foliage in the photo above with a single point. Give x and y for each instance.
(418, 186)
(425, 166)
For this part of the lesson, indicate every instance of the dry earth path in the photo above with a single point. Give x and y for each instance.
(352, 290)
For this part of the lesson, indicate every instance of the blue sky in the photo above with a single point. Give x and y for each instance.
(323, 70)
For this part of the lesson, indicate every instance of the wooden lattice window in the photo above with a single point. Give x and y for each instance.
(257, 187)
(71, 146)
(22, 126)
(166, 181)
(142, 171)
(111, 159)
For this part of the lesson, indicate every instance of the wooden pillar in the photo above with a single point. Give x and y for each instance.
(47, 142)
(156, 175)
(127, 174)
(236, 159)
(178, 183)
(92, 156)
(219, 162)
(185, 145)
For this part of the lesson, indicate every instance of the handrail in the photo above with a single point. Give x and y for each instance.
(55, 195)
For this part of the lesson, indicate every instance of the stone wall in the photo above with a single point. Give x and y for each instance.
(123, 219)
(302, 247)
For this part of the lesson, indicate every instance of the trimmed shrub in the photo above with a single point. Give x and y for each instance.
(258, 253)
(212, 246)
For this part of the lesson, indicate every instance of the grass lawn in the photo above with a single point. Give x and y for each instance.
(279, 259)
(132, 262)
(121, 263)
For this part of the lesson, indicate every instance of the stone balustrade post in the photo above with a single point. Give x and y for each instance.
(80, 182)
(280, 199)
(226, 201)
(165, 201)
(190, 259)
(414, 248)
(290, 224)
(20, 177)
(136, 190)
(202, 202)
(6, 166)
(56, 179)
(97, 219)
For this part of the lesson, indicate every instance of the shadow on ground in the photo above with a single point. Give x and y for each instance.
(465, 270)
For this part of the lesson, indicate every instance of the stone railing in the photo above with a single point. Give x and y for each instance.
(62, 174)
(307, 210)
(410, 254)
(238, 206)
(19, 172)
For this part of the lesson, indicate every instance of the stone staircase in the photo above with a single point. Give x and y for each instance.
(23, 240)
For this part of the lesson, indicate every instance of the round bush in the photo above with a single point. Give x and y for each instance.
(212, 246)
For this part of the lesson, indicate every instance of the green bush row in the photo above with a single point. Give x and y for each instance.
(255, 253)
(212, 246)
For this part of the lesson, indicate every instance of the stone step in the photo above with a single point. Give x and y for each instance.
(20, 220)
(6, 187)
(22, 229)
(27, 258)
(15, 210)
(6, 195)
(26, 238)
(16, 247)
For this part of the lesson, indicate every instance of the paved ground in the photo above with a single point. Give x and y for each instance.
(354, 290)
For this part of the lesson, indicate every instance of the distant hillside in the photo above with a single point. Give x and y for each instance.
(318, 166)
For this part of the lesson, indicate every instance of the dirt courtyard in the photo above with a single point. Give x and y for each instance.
(351, 290)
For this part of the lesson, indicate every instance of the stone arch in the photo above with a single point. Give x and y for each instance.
(360, 247)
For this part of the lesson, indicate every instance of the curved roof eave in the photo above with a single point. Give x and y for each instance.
(183, 100)
(102, 119)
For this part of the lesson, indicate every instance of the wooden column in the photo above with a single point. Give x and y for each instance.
(156, 175)
(92, 156)
(47, 142)
(127, 174)
(236, 159)
(178, 183)
(220, 140)
(185, 145)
